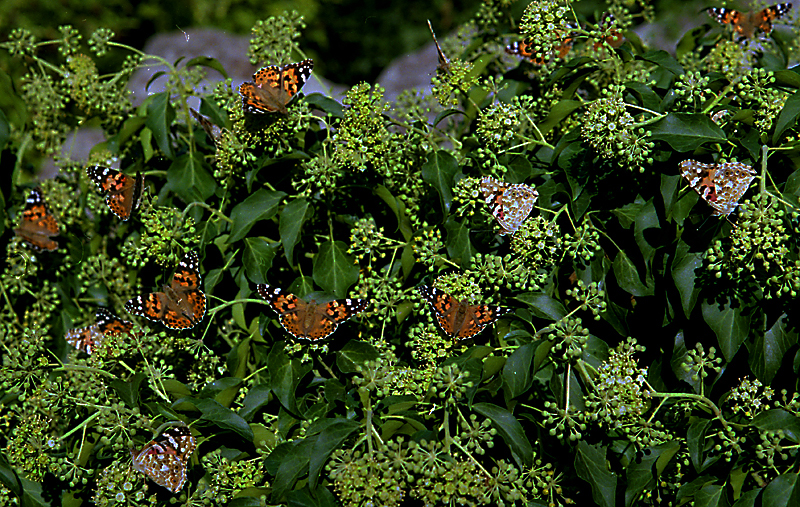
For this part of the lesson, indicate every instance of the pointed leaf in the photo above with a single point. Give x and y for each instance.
(160, 116)
(439, 171)
(590, 465)
(334, 269)
(292, 219)
(729, 324)
(459, 246)
(257, 258)
(510, 429)
(223, 417)
(261, 205)
(328, 440)
(687, 132)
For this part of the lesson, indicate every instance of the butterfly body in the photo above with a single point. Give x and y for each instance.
(273, 87)
(88, 338)
(165, 459)
(746, 24)
(123, 193)
(306, 320)
(38, 225)
(720, 185)
(181, 304)
(509, 204)
(456, 319)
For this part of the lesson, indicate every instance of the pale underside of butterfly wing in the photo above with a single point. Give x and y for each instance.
(165, 459)
(509, 204)
(720, 185)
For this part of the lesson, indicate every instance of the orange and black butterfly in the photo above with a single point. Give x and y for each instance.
(123, 193)
(273, 87)
(747, 23)
(38, 225)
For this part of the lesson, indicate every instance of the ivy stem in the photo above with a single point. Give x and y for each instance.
(81, 425)
(206, 206)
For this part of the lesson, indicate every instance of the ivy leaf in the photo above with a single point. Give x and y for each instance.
(439, 171)
(207, 61)
(664, 60)
(223, 417)
(788, 116)
(129, 391)
(769, 349)
(285, 376)
(561, 110)
(325, 104)
(543, 306)
(782, 491)
(459, 246)
(354, 354)
(291, 223)
(335, 432)
(778, 419)
(683, 274)
(628, 277)
(188, 178)
(160, 116)
(510, 429)
(293, 465)
(687, 132)
(334, 269)
(590, 465)
(731, 327)
(5, 131)
(257, 258)
(517, 370)
(398, 208)
(261, 205)
(256, 398)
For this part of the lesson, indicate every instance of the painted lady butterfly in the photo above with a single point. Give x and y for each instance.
(310, 321)
(166, 458)
(87, 338)
(444, 63)
(524, 49)
(38, 225)
(213, 131)
(181, 305)
(510, 204)
(721, 185)
(123, 193)
(459, 320)
(747, 23)
(273, 87)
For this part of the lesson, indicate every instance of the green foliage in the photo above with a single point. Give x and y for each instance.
(651, 357)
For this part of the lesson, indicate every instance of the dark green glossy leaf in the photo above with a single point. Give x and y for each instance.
(729, 324)
(444, 114)
(189, 179)
(438, 172)
(643, 472)
(543, 306)
(256, 397)
(206, 61)
(510, 429)
(665, 60)
(285, 376)
(788, 116)
(696, 442)
(257, 258)
(293, 216)
(459, 246)
(328, 440)
(326, 104)
(779, 420)
(261, 205)
(334, 269)
(223, 417)
(292, 466)
(160, 116)
(628, 277)
(129, 391)
(5, 130)
(518, 368)
(769, 350)
(591, 466)
(781, 491)
(683, 274)
(320, 497)
(628, 213)
(686, 132)
(398, 208)
(353, 354)
(561, 110)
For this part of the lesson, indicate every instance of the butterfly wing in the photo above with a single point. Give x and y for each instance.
(181, 305)
(509, 204)
(110, 325)
(456, 319)
(123, 193)
(84, 339)
(213, 131)
(38, 225)
(328, 316)
(731, 181)
(165, 459)
(273, 87)
(763, 19)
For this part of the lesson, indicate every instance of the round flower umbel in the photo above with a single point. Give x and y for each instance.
(544, 25)
(612, 131)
